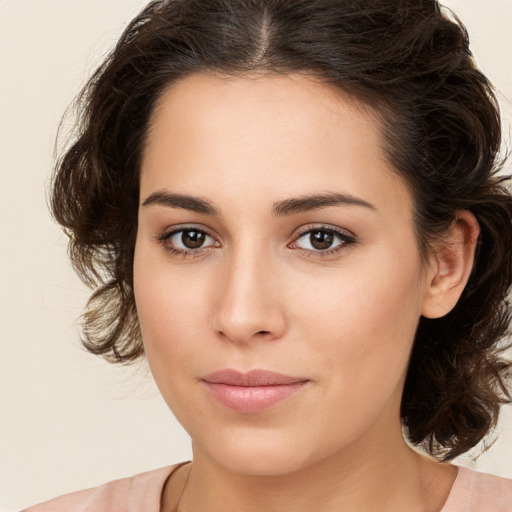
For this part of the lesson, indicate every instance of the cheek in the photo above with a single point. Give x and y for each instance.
(163, 312)
(365, 318)
(172, 310)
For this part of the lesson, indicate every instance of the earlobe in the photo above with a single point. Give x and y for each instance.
(450, 265)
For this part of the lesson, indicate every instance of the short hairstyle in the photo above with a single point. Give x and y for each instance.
(408, 59)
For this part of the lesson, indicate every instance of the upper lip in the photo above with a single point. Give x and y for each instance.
(251, 378)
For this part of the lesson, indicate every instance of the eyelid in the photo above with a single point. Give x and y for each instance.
(165, 235)
(172, 230)
(325, 227)
(347, 237)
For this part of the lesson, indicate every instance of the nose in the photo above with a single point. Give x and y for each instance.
(250, 300)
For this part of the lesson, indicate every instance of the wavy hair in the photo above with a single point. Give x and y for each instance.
(410, 60)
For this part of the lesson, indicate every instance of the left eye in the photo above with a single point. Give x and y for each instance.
(189, 239)
(320, 240)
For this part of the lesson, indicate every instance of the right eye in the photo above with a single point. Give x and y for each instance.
(187, 240)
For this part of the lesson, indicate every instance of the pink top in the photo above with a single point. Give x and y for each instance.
(471, 492)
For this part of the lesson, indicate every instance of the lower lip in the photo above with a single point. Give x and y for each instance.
(251, 399)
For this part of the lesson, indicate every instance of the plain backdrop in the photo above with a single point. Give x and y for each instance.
(68, 420)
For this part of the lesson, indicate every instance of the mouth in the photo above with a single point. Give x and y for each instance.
(254, 391)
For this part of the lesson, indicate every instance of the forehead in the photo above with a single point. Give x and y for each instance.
(204, 108)
(284, 103)
(276, 134)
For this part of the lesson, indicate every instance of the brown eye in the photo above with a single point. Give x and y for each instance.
(193, 239)
(184, 240)
(321, 240)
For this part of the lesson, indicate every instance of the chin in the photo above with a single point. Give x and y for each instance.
(265, 453)
(259, 463)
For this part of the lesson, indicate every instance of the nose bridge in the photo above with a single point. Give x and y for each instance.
(249, 302)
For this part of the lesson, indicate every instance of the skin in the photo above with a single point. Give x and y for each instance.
(258, 294)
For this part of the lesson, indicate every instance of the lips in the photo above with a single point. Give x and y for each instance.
(253, 391)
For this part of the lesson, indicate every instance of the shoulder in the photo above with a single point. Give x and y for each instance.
(479, 492)
(142, 490)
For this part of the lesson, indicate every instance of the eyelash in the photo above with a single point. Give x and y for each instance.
(184, 253)
(345, 238)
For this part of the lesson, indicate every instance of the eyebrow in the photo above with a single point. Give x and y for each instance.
(280, 209)
(186, 202)
(316, 202)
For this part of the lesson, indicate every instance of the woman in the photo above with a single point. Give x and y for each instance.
(291, 208)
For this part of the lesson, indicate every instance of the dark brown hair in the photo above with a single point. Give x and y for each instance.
(409, 60)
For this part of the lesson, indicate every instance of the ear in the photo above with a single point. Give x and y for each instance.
(450, 265)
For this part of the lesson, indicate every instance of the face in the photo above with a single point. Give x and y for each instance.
(277, 275)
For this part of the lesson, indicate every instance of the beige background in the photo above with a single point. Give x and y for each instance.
(68, 420)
